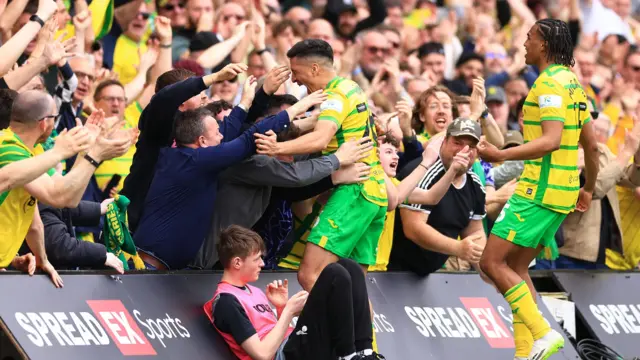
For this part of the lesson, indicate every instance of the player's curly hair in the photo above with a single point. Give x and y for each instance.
(555, 33)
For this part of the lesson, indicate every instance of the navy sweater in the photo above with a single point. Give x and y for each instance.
(179, 206)
(156, 128)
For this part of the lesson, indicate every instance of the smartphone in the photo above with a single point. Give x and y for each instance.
(113, 183)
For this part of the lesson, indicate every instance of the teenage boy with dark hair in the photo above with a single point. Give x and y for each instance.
(334, 319)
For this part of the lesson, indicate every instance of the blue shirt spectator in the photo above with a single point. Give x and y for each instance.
(180, 202)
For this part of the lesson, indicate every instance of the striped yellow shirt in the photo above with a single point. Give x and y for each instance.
(17, 206)
(386, 239)
(347, 106)
(122, 164)
(553, 180)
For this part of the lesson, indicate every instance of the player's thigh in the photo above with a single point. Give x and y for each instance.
(342, 222)
(519, 260)
(366, 250)
(522, 222)
(315, 259)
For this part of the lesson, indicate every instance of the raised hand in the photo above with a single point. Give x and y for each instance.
(241, 29)
(57, 51)
(278, 293)
(46, 9)
(230, 71)
(477, 98)
(69, 143)
(275, 78)
(353, 151)
(163, 29)
(249, 91)
(148, 59)
(405, 113)
(82, 20)
(313, 99)
(351, 174)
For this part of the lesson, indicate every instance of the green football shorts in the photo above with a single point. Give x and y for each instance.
(526, 223)
(349, 226)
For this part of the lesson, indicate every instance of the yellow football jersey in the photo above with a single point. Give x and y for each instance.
(553, 180)
(17, 206)
(347, 106)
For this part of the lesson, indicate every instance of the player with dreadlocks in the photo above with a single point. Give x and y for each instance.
(556, 119)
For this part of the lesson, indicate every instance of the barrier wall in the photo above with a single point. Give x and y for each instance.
(609, 304)
(444, 316)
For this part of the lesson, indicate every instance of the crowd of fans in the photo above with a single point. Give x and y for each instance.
(180, 106)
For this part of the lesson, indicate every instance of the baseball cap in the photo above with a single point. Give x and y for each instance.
(513, 137)
(430, 48)
(203, 40)
(464, 127)
(496, 93)
(346, 7)
(468, 56)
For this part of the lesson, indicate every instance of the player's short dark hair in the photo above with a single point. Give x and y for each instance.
(236, 241)
(6, 101)
(190, 125)
(557, 38)
(216, 107)
(103, 85)
(173, 76)
(311, 48)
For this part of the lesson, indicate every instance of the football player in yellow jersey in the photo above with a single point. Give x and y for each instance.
(556, 118)
(350, 224)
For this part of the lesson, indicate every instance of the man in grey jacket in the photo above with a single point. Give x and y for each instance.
(244, 190)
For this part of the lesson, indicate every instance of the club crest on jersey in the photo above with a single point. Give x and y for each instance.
(331, 104)
(553, 101)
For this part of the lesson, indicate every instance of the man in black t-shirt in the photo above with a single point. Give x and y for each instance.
(426, 235)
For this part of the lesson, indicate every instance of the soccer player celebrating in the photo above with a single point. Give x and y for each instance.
(353, 218)
(555, 120)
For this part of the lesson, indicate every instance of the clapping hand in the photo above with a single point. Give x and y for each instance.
(278, 293)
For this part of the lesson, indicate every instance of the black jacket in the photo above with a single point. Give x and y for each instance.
(63, 249)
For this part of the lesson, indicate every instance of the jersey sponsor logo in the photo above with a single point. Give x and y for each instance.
(477, 318)
(362, 107)
(617, 318)
(550, 101)
(109, 322)
(331, 104)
